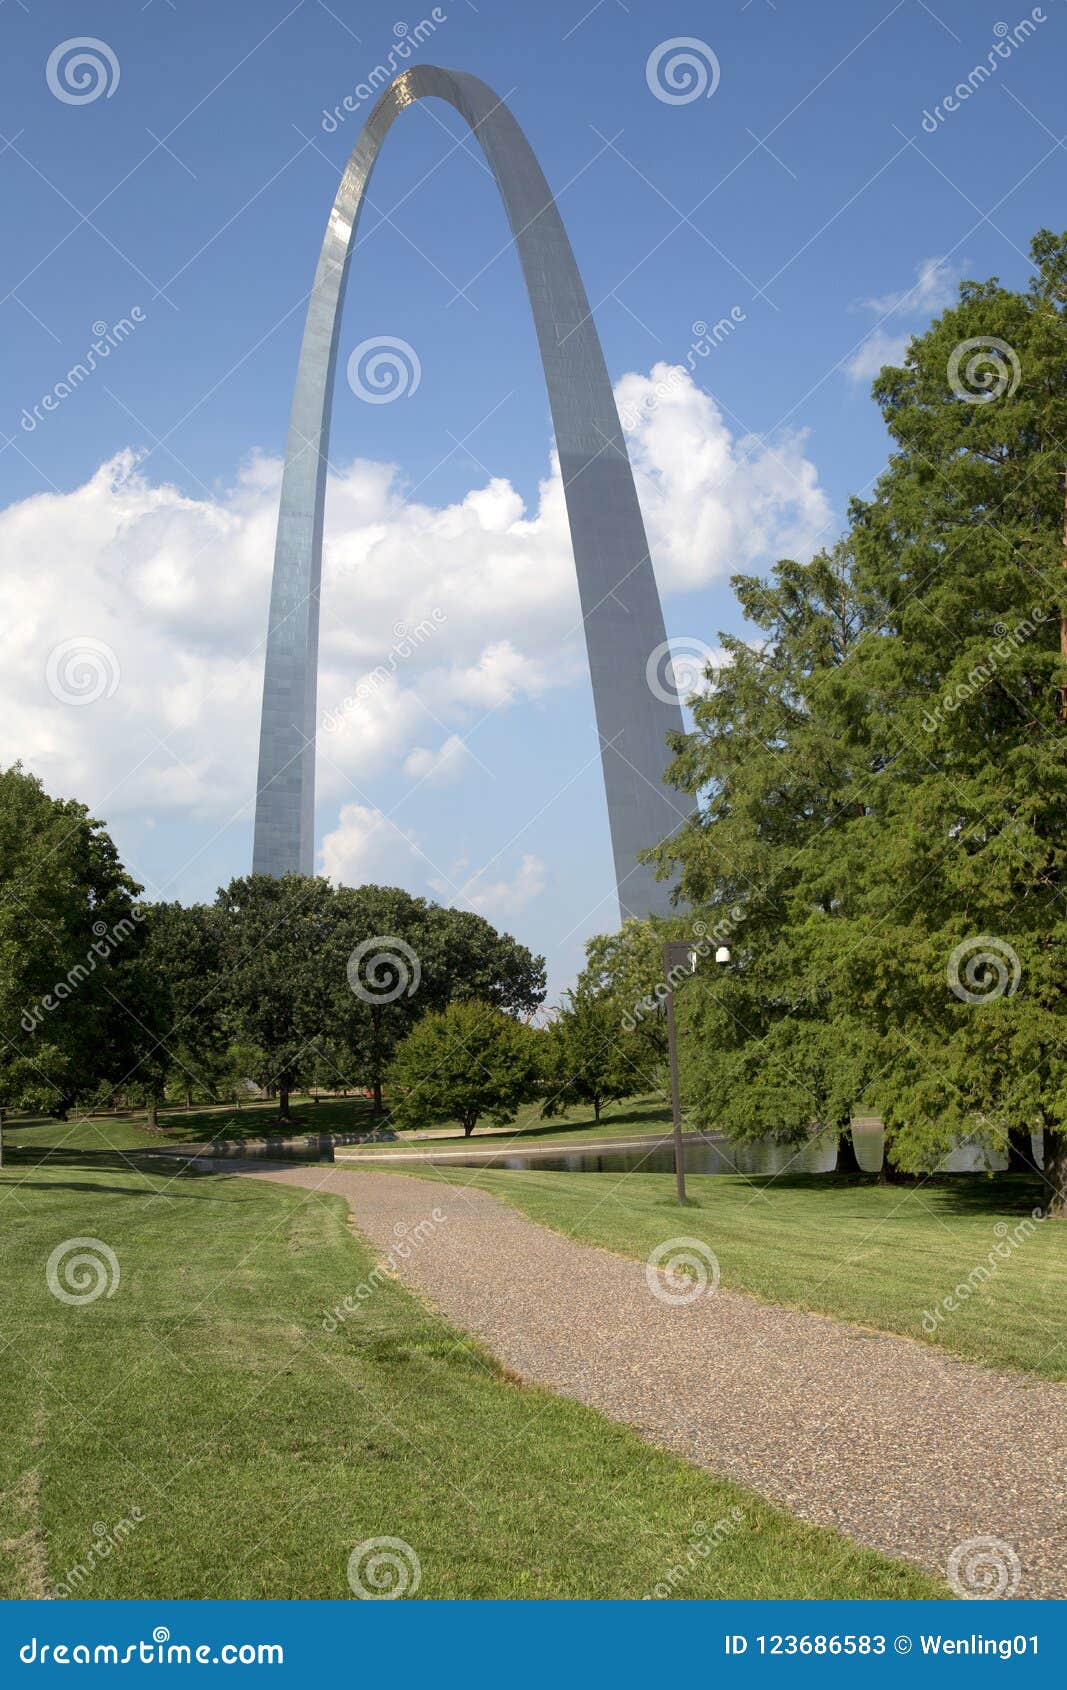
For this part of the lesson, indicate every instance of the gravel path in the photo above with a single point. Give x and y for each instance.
(889, 1441)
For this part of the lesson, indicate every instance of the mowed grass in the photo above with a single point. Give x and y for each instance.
(259, 1119)
(205, 1400)
(881, 1256)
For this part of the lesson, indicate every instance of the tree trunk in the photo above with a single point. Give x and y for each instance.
(469, 1124)
(283, 1100)
(188, 1098)
(153, 1114)
(1020, 1151)
(847, 1160)
(378, 1106)
(596, 1109)
(1056, 1172)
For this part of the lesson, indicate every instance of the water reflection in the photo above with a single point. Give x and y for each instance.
(719, 1156)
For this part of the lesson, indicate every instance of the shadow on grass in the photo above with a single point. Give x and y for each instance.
(960, 1194)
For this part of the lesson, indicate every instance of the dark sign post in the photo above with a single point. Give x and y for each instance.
(677, 954)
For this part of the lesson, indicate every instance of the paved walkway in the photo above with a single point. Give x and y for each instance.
(889, 1441)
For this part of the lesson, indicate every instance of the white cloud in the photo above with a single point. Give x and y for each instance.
(934, 287)
(874, 352)
(432, 616)
(447, 763)
(367, 846)
(497, 899)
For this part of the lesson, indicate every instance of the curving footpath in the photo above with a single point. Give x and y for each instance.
(890, 1441)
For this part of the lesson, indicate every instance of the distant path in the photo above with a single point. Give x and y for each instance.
(895, 1444)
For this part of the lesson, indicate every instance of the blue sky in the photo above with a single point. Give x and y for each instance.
(805, 195)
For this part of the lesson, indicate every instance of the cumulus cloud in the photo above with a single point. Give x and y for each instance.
(367, 846)
(433, 616)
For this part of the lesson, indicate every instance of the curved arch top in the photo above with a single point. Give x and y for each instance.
(617, 588)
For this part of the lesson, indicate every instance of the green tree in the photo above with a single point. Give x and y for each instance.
(183, 952)
(766, 862)
(395, 956)
(70, 934)
(900, 935)
(586, 1056)
(464, 1062)
(277, 936)
(962, 895)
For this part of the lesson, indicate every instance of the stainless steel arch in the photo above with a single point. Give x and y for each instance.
(617, 588)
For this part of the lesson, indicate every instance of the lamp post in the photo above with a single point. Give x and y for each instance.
(679, 954)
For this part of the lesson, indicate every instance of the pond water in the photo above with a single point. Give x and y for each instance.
(719, 1156)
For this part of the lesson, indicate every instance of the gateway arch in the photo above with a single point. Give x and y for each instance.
(620, 605)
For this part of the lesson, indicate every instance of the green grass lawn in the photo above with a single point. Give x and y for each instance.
(254, 1449)
(877, 1255)
(330, 1115)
